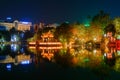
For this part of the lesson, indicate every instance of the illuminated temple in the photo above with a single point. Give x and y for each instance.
(47, 39)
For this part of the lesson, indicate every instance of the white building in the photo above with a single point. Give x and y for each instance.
(19, 25)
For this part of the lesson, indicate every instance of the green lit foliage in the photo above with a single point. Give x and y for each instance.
(95, 33)
(116, 22)
(117, 65)
(79, 33)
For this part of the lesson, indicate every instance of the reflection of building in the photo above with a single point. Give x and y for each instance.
(46, 52)
(19, 59)
(118, 44)
(111, 53)
(47, 55)
(18, 25)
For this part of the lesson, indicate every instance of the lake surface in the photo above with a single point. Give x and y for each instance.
(48, 63)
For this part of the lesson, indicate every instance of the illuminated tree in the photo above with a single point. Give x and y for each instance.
(102, 19)
(116, 22)
(62, 33)
(110, 28)
(95, 33)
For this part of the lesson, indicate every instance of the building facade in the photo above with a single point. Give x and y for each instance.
(18, 25)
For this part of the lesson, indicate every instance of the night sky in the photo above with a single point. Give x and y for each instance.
(56, 11)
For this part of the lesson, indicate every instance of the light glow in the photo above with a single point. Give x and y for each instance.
(8, 66)
(25, 22)
(25, 62)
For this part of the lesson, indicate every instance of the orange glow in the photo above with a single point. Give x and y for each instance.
(32, 43)
(47, 55)
(50, 47)
(32, 47)
(50, 43)
(109, 55)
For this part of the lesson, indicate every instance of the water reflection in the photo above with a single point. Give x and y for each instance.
(110, 57)
(14, 55)
(74, 56)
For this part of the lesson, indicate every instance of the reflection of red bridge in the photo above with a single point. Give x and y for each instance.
(116, 44)
(50, 47)
(33, 47)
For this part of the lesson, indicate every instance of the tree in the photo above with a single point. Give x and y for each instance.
(102, 19)
(116, 22)
(110, 28)
(28, 34)
(95, 33)
(62, 32)
(0, 36)
(5, 35)
(12, 30)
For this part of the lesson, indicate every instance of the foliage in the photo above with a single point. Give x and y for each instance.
(5, 35)
(116, 22)
(110, 28)
(102, 19)
(63, 32)
(27, 35)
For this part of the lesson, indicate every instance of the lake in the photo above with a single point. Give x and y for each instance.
(20, 62)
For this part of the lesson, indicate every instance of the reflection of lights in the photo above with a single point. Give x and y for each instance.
(94, 39)
(2, 46)
(32, 47)
(51, 43)
(25, 62)
(8, 66)
(2, 40)
(105, 54)
(13, 47)
(32, 43)
(105, 35)
(22, 50)
(118, 36)
(22, 35)
(118, 52)
(14, 38)
(109, 55)
(50, 47)
(94, 51)
(47, 55)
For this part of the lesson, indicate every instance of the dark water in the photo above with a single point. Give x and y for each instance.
(21, 62)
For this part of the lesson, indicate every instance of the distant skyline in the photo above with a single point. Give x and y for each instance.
(56, 11)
